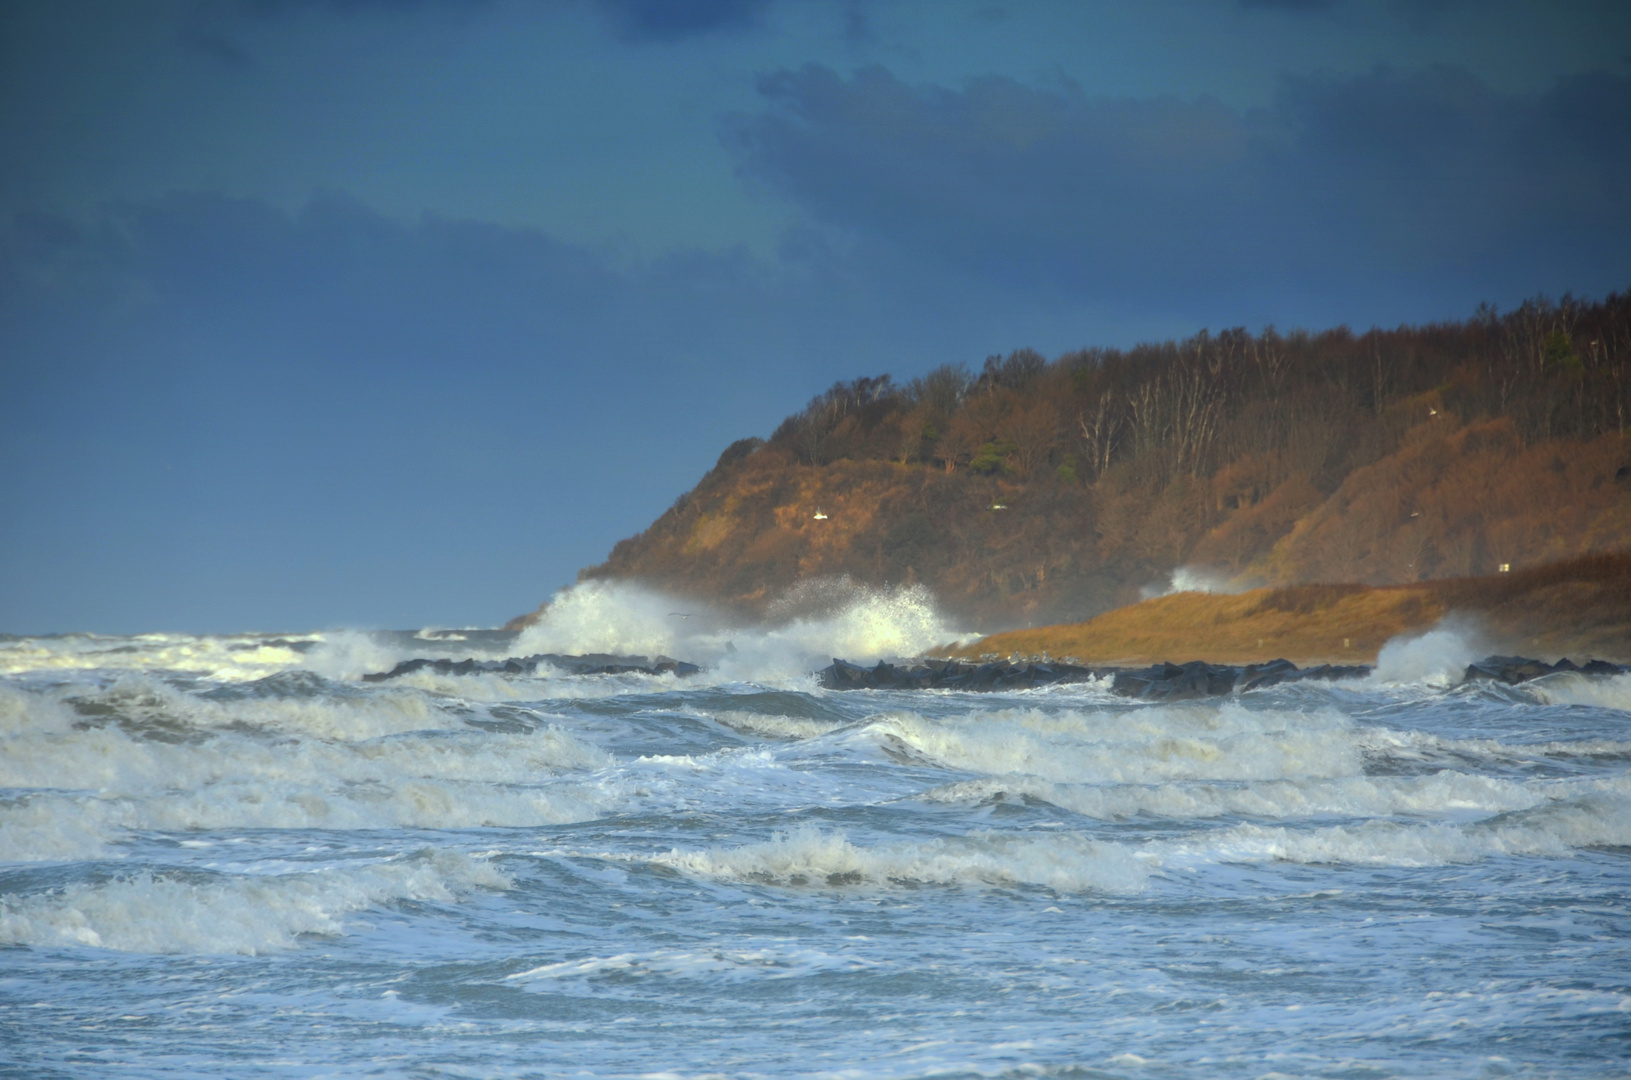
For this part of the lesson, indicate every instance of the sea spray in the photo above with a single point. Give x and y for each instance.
(803, 630)
(1197, 579)
(618, 617)
(1437, 657)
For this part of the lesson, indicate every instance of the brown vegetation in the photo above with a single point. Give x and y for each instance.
(1580, 608)
(1382, 458)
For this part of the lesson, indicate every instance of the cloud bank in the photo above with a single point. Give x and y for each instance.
(1392, 180)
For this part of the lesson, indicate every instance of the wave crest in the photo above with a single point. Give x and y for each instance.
(248, 914)
(1065, 862)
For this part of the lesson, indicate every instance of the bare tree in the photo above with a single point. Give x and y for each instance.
(1033, 433)
(1099, 426)
(958, 443)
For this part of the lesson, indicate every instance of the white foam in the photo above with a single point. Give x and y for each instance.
(714, 965)
(24, 713)
(803, 857)
(1424, 746)
(84, 787)
(1197, 579)
(1153, 744)
(1597, 816)
(1438, 657)
(378, 711)
(249, 914)
(351, 654)
(809, 626)
(43, 829)
(1445, 794)
(614, 617)
(1612, 692)
(227, 658)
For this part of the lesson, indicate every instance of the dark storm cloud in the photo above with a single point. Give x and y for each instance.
(1343, 184)
(673, 20)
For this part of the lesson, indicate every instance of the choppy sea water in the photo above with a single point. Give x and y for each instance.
(230, 857)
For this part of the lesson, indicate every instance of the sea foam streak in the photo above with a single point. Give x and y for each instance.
(709, 964)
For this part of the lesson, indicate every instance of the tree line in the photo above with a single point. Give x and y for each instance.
(1297, 402)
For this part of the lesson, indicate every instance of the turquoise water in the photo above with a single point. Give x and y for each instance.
(231, 857)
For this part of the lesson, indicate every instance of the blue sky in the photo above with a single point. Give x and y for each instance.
(397, 312)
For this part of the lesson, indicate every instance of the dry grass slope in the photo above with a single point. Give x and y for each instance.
(1580, 608)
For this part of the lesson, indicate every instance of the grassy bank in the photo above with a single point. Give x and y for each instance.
(1580, 608)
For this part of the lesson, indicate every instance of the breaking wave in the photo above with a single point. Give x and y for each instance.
(1149, 745)
(226, 658)
(1450, 795)
(1613, 692)
(805, 857)
(1435, 658)
(1599, 817)
(140, 755)
(248, 914)
(807, 628)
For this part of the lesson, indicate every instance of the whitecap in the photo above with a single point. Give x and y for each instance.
(1065, 862)
(1157, 743)
(250, 914)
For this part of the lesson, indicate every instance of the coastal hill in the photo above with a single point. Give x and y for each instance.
(1580, 608)
(1038, 491)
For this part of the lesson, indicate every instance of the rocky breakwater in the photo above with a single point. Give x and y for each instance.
(1158, 682)
(1516, 669)
(590, 664)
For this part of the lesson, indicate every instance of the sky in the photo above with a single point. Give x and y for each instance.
(396, 313)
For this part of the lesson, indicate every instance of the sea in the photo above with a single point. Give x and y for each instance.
(232, 856)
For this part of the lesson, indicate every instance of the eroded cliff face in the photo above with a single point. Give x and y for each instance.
(988, 548)
(1452, 499)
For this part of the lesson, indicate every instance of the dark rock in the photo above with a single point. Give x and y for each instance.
(947, 675)
(1159, 682)
(1517, 669)
(1257, 676)
(592, 664)
(1176, 682)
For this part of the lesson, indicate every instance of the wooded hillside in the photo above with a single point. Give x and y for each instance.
(1041, 490)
